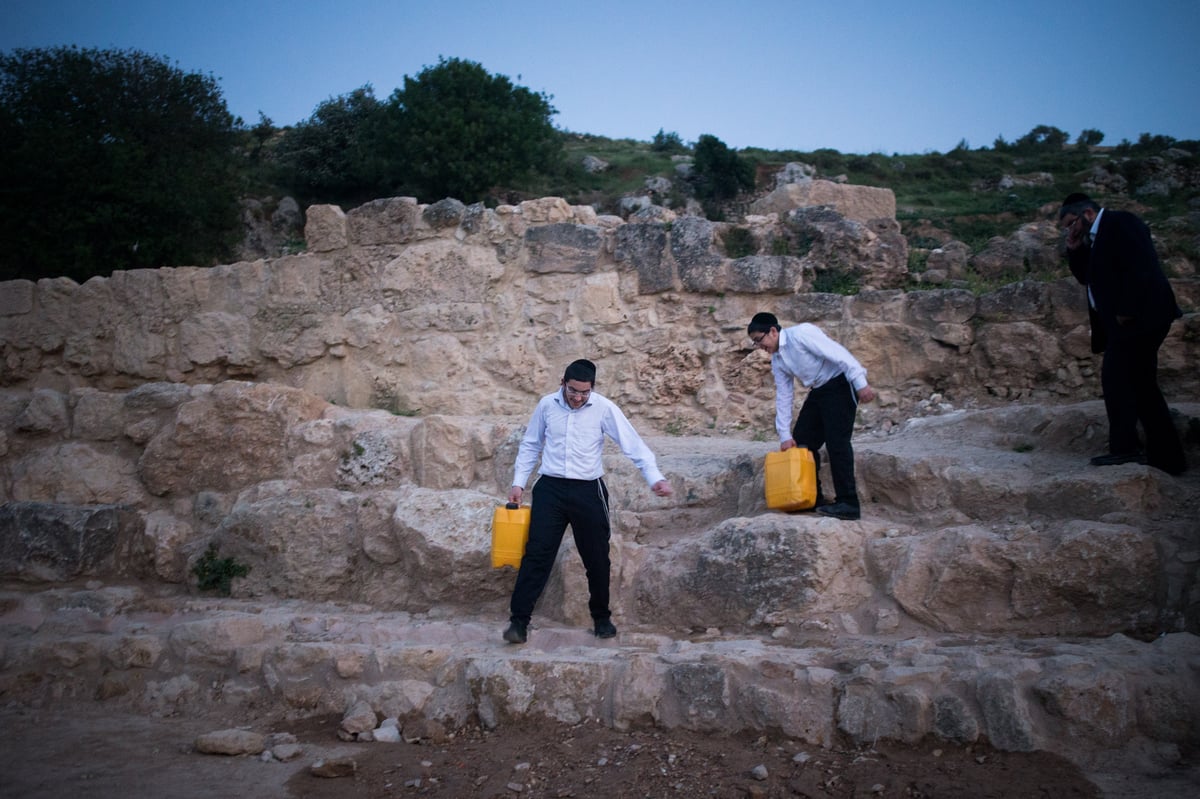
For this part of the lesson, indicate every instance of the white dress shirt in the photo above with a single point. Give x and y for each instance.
(806, 354)
(571, 442)
(1091, 237)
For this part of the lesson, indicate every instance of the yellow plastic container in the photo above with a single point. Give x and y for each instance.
(510, 532)
(791, 479)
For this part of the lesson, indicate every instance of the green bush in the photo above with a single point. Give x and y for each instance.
(719, 172)
(216, 574)
(334, 156)
(739, 242)
(835, 281)
(667, 143)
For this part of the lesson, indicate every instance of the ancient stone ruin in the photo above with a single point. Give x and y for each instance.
(335, 428)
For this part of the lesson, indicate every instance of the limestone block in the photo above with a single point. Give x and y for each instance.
(392, 220)
(766, 274)
(97, 415)
(217, 338)
(45, 413)
(214, 640)
(545, 211)
(233, 436)
(563, 247)
(770, 569)
(16, 297)
(77, 473)
(48, 541)
(643, 247)
(853, 202)
(1031, 585)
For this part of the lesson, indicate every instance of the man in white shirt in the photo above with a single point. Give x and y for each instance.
(567, 432)
(837, 382)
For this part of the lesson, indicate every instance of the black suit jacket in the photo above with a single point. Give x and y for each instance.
(1122, 271)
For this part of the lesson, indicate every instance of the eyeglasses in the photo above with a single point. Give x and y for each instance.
(1071, 224)
(758, 341)
(574, 392)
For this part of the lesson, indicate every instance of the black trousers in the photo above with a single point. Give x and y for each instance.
(827, 419)
(557, 502)
(1129, 380)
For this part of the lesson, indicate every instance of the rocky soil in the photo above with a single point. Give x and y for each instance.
(89, 751)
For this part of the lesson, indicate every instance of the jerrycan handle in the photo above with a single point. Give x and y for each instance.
(511, 506)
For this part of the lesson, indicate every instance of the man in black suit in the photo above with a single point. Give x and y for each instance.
(1131, 306)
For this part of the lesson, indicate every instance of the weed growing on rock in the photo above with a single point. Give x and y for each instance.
(213, 573)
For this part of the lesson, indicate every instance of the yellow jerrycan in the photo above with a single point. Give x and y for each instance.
(510, 531)
(791, 479)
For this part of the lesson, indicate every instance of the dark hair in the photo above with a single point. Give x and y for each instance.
(1076, 203)
(582, 370)
(762, 323)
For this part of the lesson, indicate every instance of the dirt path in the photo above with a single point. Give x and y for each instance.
(105, 755)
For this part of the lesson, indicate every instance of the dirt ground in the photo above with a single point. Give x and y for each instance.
(95, 752)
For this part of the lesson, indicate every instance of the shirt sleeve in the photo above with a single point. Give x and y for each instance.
(531, 446)
(618, 428)
(785, 391)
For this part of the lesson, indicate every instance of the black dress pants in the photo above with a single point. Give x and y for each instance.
(1129, 380)
(827, 419)
(557, 502)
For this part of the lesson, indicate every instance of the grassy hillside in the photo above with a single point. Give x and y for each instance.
(964, 193)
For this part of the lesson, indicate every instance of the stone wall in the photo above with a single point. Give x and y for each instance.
(462, 310)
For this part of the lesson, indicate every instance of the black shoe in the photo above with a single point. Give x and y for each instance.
(517, 632)
(605, 629)
(841, 510)
(1117, 460)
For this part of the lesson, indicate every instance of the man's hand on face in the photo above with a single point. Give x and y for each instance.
(1076, 227)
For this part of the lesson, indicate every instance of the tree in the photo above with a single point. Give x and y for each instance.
(456, 131)
(720, 173)
(335, 155)
(1090, 137)
(112, 160)
(667, 143)
(1042, 139)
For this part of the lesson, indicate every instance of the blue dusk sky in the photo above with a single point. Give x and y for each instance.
(858, 76)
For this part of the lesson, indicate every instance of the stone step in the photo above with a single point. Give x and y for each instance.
(1093, 700)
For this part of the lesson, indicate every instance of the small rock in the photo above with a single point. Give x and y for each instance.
(335, 767)
(359, 718)
(422, 729)
(388, 735)
(287, 751)
(801, 757)
(230, 742)
(515, 787)
(877, 788)
(759, 772)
